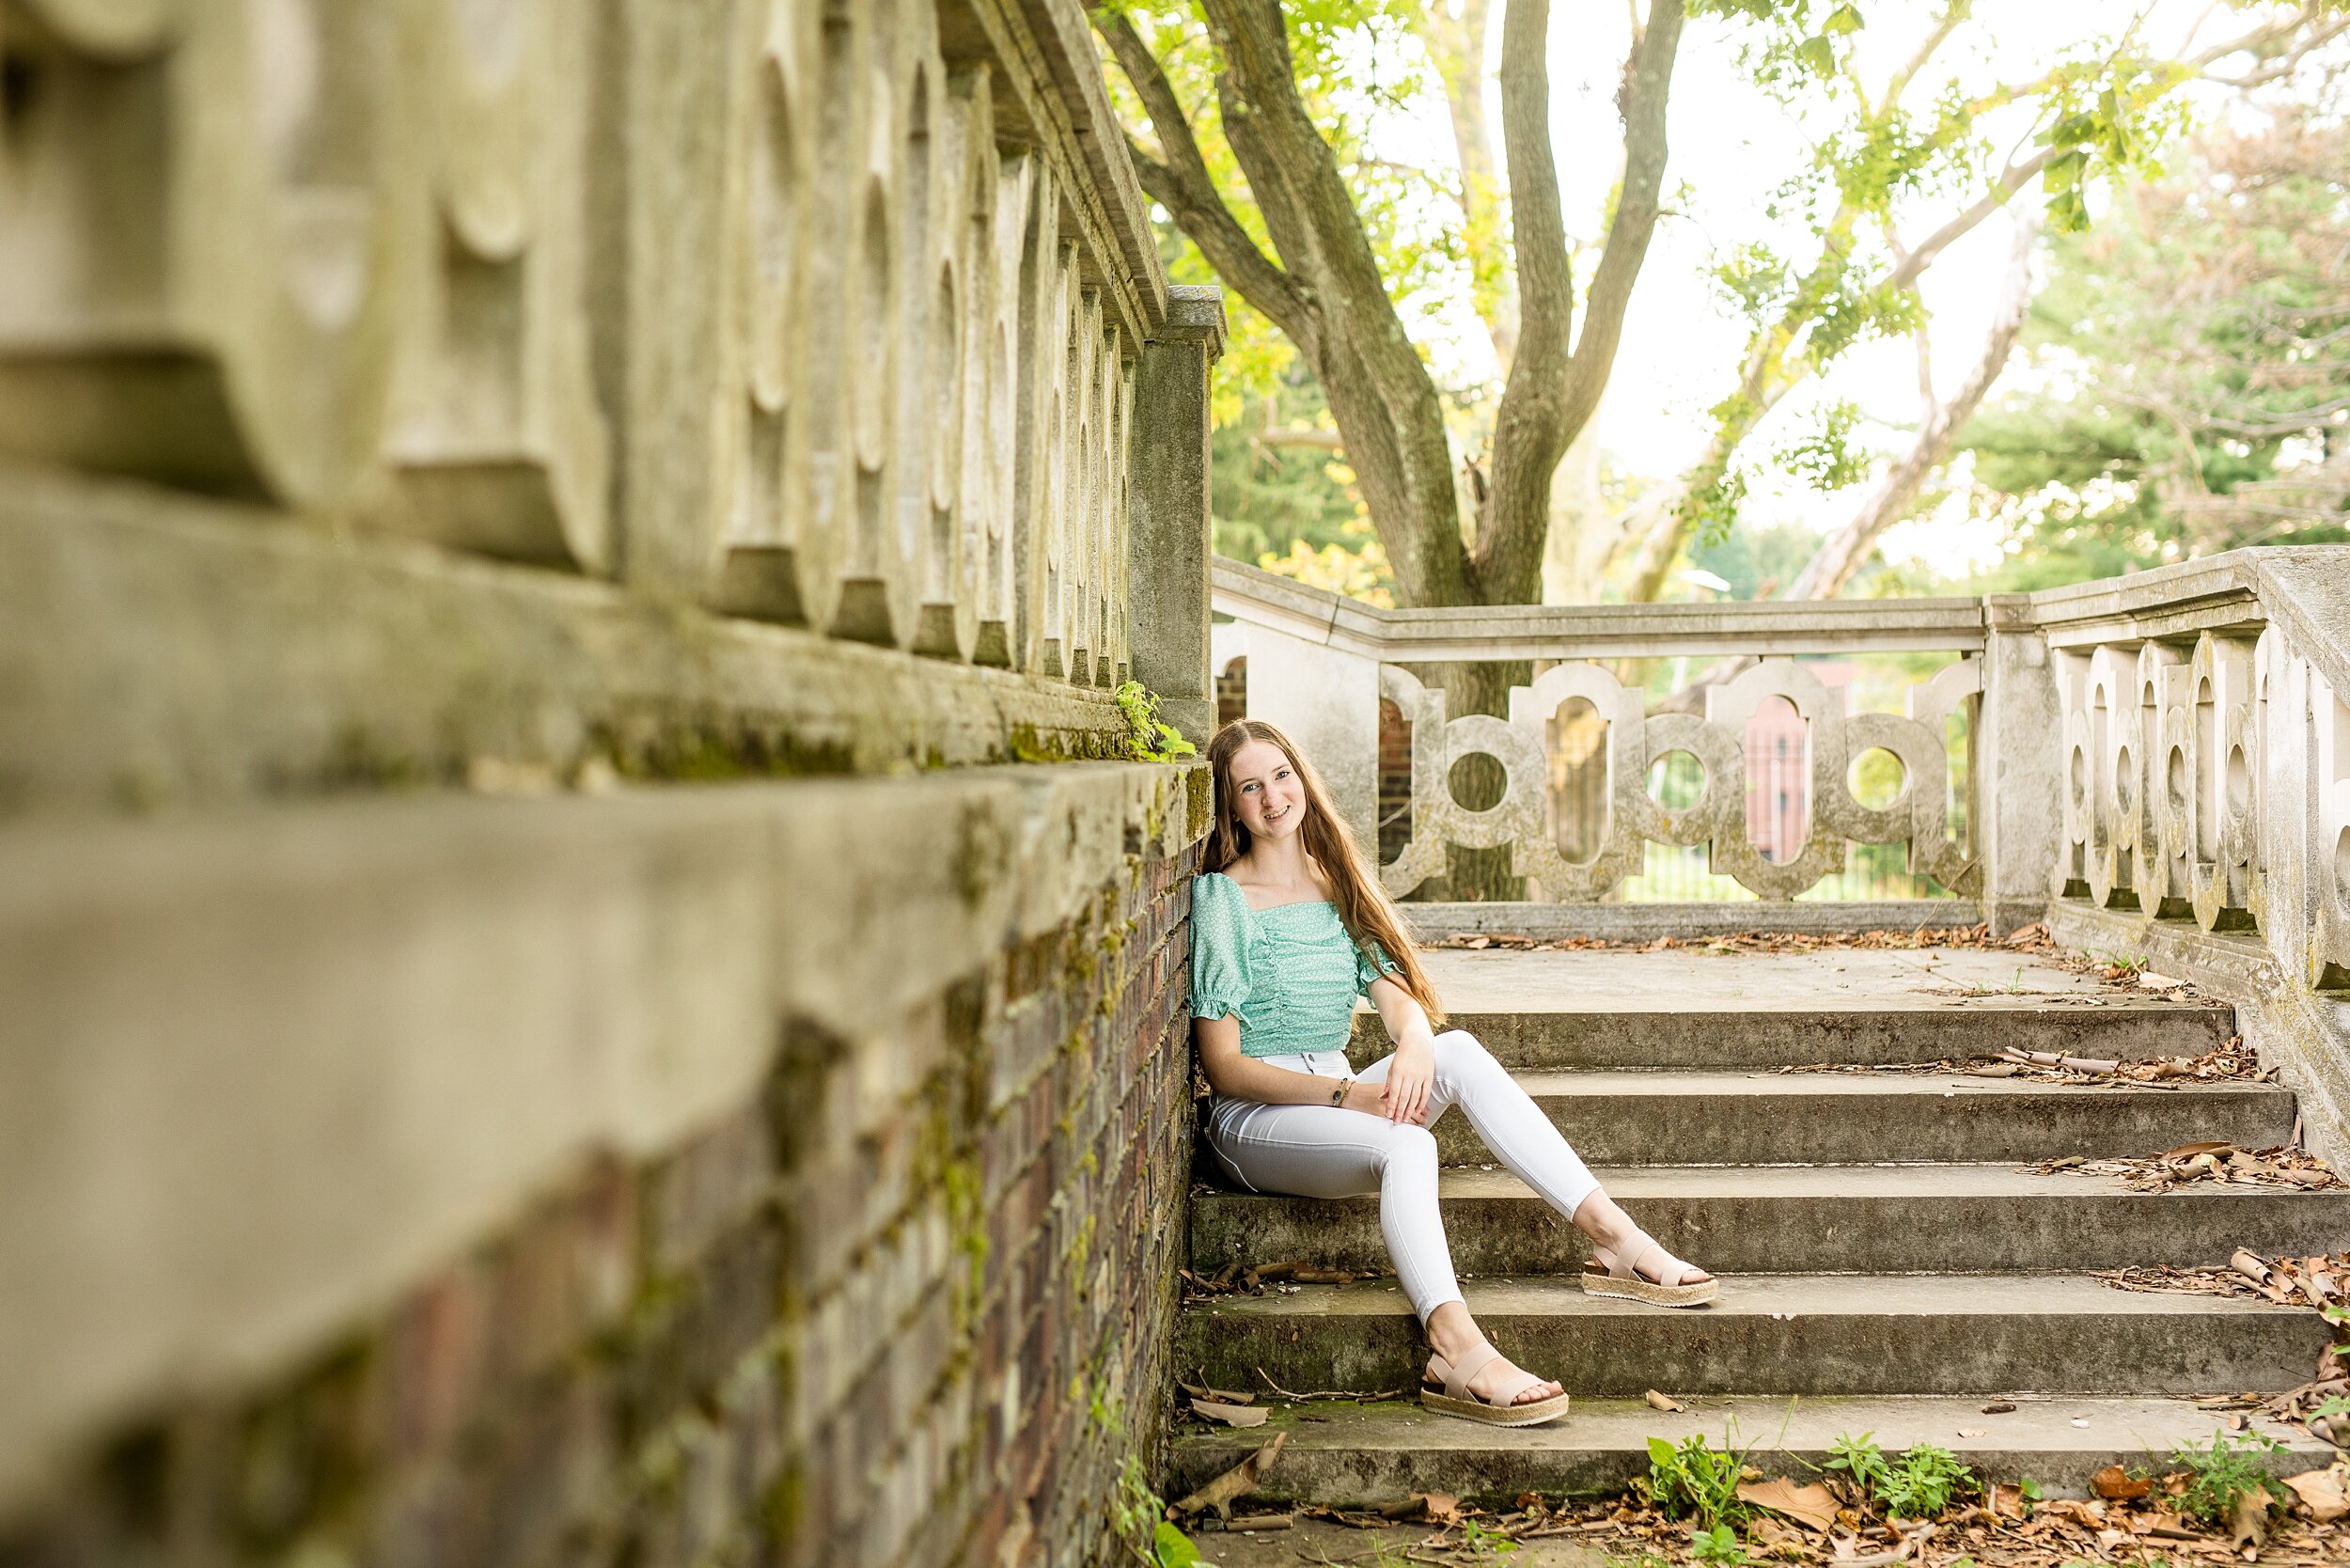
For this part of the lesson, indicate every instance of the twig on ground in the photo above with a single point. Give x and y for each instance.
(1354, 1395)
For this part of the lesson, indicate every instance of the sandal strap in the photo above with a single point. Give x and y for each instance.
(1618, 1262)
(1670, 1273)
(1456, 1376)
(1625, 1265)
(1509, 1396)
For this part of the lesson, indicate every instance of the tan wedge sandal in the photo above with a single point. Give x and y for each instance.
(1612, 1273)
(1457, 1400)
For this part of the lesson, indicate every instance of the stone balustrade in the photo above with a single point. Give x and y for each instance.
(2204, 766)
(1322, 670)
(823, 316)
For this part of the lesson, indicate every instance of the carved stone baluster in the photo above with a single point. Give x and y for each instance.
(1422, 708)
(670, 95)
(838, 336)
(2163, 868)
(778, 565)
(201, 234)
(1082, 528)
(497, 444)
(892, 153)
(1932, 851)
(1621, 849)
(1122, 499)
(946, 620)
(956, 592)
(1727, 708)
(1718, 814)
(2114, 753)
(1052, 521)
(1006, 626)
(2329, 717)
(2069, 878)
(2226, 729)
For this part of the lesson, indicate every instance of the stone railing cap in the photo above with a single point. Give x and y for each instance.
(1195, 314)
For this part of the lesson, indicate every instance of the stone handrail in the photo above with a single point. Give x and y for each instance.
(2204, 776)
(2160, 685)
(845, 319)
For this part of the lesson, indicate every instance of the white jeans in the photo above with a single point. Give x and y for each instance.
(1329, 1152)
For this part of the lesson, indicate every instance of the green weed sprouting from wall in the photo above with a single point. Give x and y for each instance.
(1149, 739)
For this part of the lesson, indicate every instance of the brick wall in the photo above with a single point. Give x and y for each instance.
(907, 1303)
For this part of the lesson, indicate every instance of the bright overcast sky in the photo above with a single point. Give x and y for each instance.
(1731, 146)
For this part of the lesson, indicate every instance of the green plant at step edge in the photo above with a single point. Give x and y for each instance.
(1861, 1460)
(1697, 1479)
(1139, 1516)
(1720, 1545)
(1922, 1485)
(1916, 1486)
(1149, 739)
(2222, 1470)
(1485, 1544)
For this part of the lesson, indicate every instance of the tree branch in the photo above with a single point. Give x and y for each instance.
(1457, 47)
(2014, 180)
(1835, 560)
(1647, 86)
(1183, 185)
(1953, 14)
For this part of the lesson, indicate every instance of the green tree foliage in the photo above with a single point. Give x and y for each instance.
(1903, 163)
(2194, 353)
(1251, 125)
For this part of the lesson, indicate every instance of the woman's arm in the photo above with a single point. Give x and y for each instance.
(1244, 1079)
(1413, 1072)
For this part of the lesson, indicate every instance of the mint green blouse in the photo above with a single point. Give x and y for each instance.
(1291, 972)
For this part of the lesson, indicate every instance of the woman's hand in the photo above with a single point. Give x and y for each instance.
(1411, 1076)
(1366, 1096)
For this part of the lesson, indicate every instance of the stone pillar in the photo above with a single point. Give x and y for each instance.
(1172, 535)
(2019, 760)
(1328, 701)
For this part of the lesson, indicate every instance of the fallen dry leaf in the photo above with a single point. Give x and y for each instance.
(1665, 1403)
(2117, 1483)
(1970, 1432)
(2000, 1407)
(2007, 1500)
(2153, 982)
(1238, 1482)
(2324, 1493)
(1232, 1415)
(2248, 1525)
(1813, 1506)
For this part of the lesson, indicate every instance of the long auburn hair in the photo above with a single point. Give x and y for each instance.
(1364, 907)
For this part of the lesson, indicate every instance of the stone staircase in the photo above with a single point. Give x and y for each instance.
(1886, 1266)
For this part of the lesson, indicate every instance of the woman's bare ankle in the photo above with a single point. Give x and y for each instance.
(1451, 1332)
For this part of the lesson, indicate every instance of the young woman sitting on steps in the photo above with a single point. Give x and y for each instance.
(1288, 926)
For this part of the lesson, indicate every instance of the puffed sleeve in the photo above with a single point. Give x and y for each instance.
(1366, 971)
(1219, 947)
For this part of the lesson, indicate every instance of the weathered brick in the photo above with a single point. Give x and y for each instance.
(770, 1343)
(709, 1185)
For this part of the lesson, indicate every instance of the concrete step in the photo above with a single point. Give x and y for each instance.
(1864, 1032)
(1806, 1219)
(1788, 1334)
(1352, 1454)
(1688, 1118)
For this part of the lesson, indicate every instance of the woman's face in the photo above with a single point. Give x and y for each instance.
(1267, 797)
